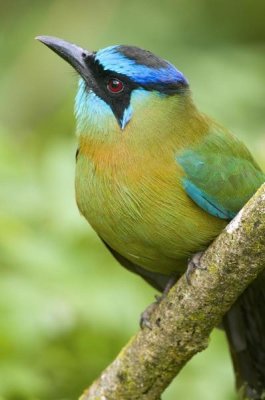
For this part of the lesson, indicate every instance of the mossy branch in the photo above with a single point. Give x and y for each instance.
(182, 323)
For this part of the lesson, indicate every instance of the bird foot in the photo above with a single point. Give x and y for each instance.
(147, 313)
(193, 264)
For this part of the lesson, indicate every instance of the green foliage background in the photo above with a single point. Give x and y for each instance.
(66, 307)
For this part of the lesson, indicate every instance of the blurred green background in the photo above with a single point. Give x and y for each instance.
(66, 307)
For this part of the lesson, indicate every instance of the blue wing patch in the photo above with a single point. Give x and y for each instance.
(199, 184)
(205, 202)
(220, 175)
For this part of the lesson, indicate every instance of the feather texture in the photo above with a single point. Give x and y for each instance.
(221, 174)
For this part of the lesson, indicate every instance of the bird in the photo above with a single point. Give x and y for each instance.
(158, 180)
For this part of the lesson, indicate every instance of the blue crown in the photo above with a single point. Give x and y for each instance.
(141, 66)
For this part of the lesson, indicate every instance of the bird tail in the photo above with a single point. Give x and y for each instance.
(245, 329)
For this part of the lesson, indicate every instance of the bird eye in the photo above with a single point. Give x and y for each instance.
(115, 85)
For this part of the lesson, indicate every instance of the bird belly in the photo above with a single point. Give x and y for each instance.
(148, 219)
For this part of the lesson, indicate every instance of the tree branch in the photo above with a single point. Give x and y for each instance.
(182, 323)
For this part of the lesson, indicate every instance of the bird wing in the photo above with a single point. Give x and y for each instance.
(220, 174)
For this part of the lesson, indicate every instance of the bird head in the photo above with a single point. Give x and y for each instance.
(115, 81)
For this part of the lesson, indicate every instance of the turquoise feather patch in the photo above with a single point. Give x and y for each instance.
(220, 174)
(206, 202)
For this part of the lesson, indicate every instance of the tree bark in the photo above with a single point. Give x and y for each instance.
(183, 321)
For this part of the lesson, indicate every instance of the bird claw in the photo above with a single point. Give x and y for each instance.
(147, 313)
(193, 264)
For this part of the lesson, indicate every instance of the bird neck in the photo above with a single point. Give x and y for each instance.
(156, 120)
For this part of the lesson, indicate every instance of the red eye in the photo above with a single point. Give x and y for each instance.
(115, 86)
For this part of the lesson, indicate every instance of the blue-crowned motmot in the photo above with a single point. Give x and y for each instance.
(158, 180)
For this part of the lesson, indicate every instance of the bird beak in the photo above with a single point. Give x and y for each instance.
(74, 55)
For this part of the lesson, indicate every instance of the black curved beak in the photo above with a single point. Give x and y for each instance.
(74, 55)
